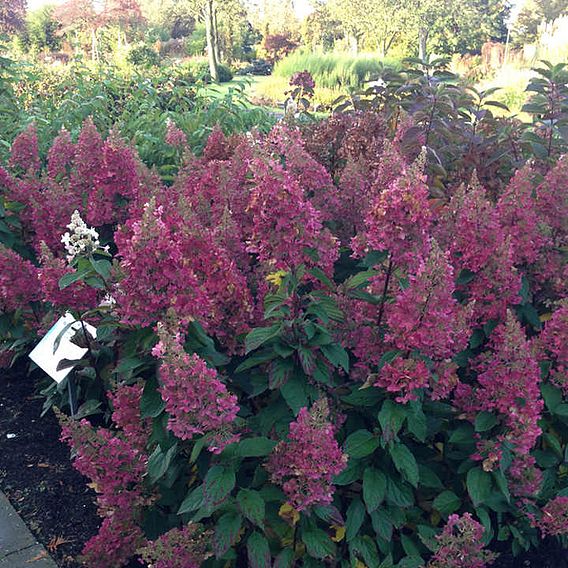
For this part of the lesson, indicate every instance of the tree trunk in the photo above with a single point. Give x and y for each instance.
(216, 37)
(422, 43)
(354, 44)
(94, 50)
(211, 34)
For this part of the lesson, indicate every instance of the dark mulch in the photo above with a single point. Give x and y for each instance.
(53, 499)
(36, 474)
(549, 555)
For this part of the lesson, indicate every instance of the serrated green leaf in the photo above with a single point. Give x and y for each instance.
(259, 336)
(447, 503)
(258, 551)
(226, 533)
(374, 488)
(361, 443)
(219, 482)
(405, 462)
(252, 505)
(484, 421)
(354, 519)
(478, 485)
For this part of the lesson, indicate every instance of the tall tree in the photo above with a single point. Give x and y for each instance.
(124, 14)
(79, 18)
(12, 15)
(533, 14)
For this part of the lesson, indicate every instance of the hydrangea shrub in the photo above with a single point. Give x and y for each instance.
(305, 355)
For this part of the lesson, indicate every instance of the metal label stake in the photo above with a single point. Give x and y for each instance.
(72, 389)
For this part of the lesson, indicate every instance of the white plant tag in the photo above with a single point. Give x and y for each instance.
(43, 354)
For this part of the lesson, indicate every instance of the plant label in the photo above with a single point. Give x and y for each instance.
(57, 351)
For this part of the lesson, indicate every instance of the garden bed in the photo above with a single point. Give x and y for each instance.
(36, 474)
(53, 499)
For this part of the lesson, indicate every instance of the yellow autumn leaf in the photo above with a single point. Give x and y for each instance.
(339, 533)
(289, 514)
(276, 278)
(360, 564)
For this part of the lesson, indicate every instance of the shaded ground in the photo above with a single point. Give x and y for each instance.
(36, 475)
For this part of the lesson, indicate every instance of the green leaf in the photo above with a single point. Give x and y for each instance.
(502, 484)
(369, 396)
(478, 485)
(151, 404)
(258, 551)
(416, 421)
(561, 410)
(294, 392)
(364, 547)
(382, 524)
(219, 482)
(88, 408)
(465, 277)
(374, 488)
(260, 335)
(252, 505)
(159, 462)
(318, 544)
(322, 277)
(226, 533)
(253, 447)
(192, 501)
(71, 277)
(354, 519)
(360, 444)
(405, 462)
(552, 396)
(285, 559)
(447, 503)
(102, 267)
(399, 493)
(391, 418)
(360, 279)
(336, 355)
(485, 421)
(463, 434)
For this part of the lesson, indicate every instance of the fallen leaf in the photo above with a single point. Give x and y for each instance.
(56, 542)
(40, 556)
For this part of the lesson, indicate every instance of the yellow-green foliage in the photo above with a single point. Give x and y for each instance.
(271, 90)
(334, 70)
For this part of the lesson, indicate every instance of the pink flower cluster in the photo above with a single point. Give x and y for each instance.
(303, 79)
(508, 380)
(553, 345)
(175, 136)
(187, 547)
(118, 539)
(554, 520)
(426, 317)
(24, 154)
(115, 467)
(472, 232)
(78, 296)
(305, 464)
(169, 262)
(197, 402)
(461, 545)
(400, 218)
(19, 285)
(403, 377)
(126, 414)
(284, 222)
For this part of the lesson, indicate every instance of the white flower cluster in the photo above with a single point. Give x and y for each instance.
(81, 240)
